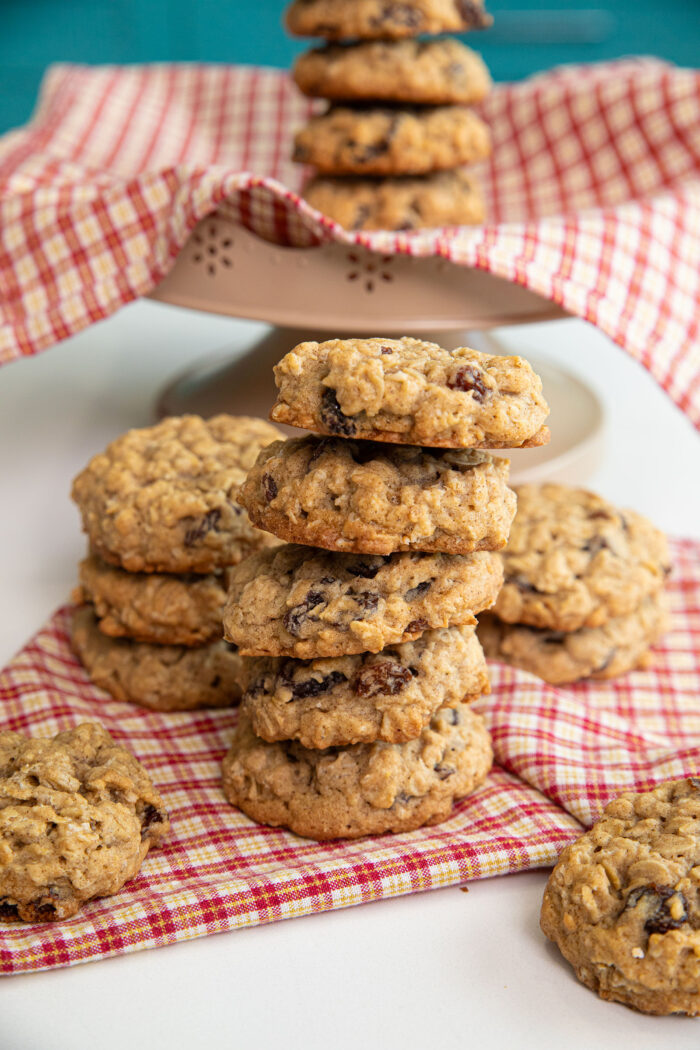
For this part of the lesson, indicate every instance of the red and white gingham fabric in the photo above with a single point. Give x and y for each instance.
(593, 194)
(561, 755)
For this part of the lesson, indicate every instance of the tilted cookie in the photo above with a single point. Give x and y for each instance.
(412, 392)
(164, 498)
(78, 814)
(404, 202)
(620, 645)
(156, 608)
(623, 902)
(307, 603)
(421, 72)
(388, 696)
(367, 789)
(384, 19)
(161, 677)
(573, 560)
(376, 498)
(375, 140)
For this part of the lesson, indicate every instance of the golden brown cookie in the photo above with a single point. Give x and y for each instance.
(161, 677)
(376, 498)
(367, 789)
(307, 603)
(421, 72)
(156, 608)
(623, 902)
(384, 19)
(388, 696)
(78, 814)
(374, 140)
(164, 498)
(412, 392)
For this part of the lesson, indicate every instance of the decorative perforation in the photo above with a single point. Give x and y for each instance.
(370, 269)
(212, 249)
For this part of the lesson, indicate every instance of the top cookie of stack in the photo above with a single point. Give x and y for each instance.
(390, 148)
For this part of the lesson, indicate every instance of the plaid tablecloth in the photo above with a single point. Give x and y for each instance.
(561, 755)
(593, 193)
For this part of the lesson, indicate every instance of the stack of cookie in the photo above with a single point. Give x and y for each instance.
(583, 594)
(390, 150)
(160, 507)
(361, 628)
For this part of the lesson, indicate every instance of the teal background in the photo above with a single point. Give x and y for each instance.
(526, 37)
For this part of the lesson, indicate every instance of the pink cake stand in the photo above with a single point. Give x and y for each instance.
(332, 291)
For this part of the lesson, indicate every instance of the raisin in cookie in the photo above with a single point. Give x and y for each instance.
(373, 140)
(573, 560)
(367, 789)
(412, 392)
(558, 657)
(388, 696)
(623, 902)
(78, 814)
(161, 677)
(420, 72)
(375, 498)
(384, 19)
(153, 607)
(301, 602)
(164, 498)
(404, 202)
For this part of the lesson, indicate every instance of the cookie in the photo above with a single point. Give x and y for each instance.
(379, 19)
(422, 72)
(623, 902)
(413, 392)
(373, 140)
(152, 607)
(78, 814)
(161, 677)
(447, 198)
(367, 789)
(388, 696)
(301, 602)
(558, 657)
(573, 560)
(376, 498)
(164, 498)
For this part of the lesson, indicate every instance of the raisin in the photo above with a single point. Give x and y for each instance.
(553, 637)
(469, 380)
(8, 912)
(472, 14)
(386, 350)
(364, 452)
(606, 662)
(403, 797)
(416, 626)
(333, 417)
(397, 14)
(595, 545)
(524, 585)
(452, 716)
(295, 617)
(150, 816)
(207, 524)
(444, 771)
(363, 569)
(327, 579)
(361, 216)
(418, 591)
(600, 514)
(387, 677)
(315, 686)
(656, 899)
(269, 487)
(367, 601)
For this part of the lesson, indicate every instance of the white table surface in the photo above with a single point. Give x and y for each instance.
(444, 969)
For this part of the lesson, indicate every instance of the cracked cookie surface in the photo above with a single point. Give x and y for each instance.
(307, 603)
(623, 902)
(160, 677)
(377, 498)
(573, 560)
(374, 140)
(620, 645)
(411, 392)
(384, 19)
(401, 202)
(366, 789)
(164, 498)
(422, 72)
(387, 696)
(78, 814)
(156, 608)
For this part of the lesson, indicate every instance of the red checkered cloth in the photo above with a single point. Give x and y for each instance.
(593, 195)
(561, 753)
